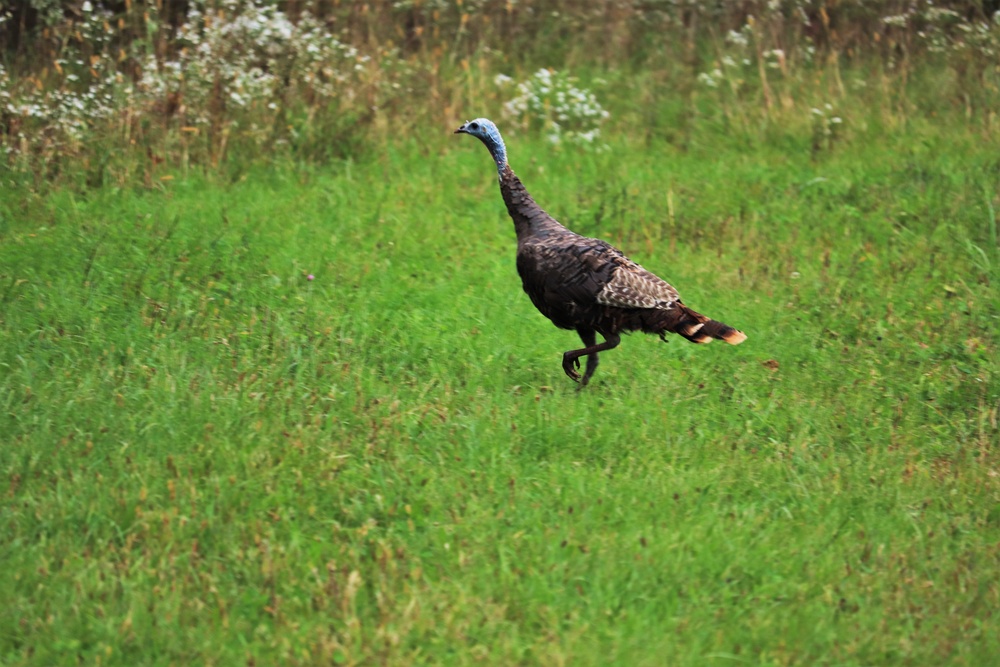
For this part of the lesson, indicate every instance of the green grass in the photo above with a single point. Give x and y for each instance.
(210, 459)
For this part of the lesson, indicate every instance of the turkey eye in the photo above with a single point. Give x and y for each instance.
(474, 126)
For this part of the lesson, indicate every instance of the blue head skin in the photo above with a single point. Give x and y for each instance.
(486, 131)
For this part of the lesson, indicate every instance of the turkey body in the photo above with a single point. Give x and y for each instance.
(565, 277)
(586, 284)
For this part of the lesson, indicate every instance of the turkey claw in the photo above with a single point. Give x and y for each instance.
(568, 367)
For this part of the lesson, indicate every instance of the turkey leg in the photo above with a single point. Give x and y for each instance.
(571, 358)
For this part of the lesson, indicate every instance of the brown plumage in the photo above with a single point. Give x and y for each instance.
(586, 284)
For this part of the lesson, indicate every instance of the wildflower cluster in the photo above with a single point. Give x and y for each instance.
(251, 57)
(61, 115)
(826, 127)
(944, 30)
(737, 56)
(233, 70)
(968, 42)
(551, 101)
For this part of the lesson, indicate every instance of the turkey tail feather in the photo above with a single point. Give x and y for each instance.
(724, 332)
(700, 329)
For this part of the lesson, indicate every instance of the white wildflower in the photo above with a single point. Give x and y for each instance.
(551, 99)
(737, 38)
(708, 80)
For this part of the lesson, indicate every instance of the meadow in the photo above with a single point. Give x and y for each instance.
(296, 411)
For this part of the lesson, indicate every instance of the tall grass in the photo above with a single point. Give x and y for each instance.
(106, 92)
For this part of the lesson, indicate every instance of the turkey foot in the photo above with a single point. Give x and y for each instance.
(570, 364)
(571, 358)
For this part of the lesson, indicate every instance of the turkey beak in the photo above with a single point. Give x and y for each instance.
(461, 130)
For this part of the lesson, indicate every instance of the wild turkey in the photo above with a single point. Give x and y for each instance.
(586, 284)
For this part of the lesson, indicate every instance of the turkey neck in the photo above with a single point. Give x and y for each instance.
(529, 218)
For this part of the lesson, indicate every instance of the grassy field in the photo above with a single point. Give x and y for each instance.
(210, 458)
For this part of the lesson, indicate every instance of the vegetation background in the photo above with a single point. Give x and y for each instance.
(271, 392)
